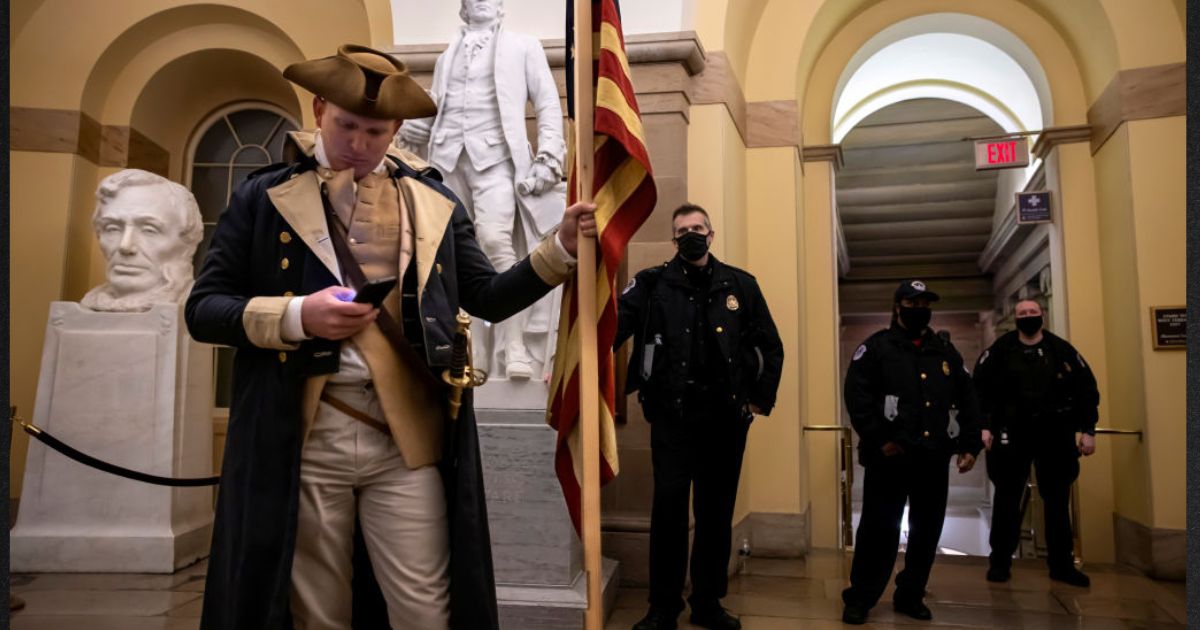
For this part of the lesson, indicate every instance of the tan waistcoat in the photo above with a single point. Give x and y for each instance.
(381, 238)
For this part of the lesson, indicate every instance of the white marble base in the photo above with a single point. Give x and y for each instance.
(538, 558)
(132, 389)
(515, 395)
(555, 608)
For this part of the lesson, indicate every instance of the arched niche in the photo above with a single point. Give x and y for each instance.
(129, 63)
(189, 88)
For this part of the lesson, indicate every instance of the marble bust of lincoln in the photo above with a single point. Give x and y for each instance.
(148, 227)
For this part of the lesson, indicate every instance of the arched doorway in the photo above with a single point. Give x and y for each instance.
(911, 205)
(908, 202)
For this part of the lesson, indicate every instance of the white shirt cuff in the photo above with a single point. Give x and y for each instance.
(292, 329)
(563, 254)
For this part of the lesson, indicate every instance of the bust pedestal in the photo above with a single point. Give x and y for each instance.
(135, 390)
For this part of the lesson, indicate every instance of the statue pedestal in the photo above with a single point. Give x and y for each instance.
(538, 558)
(132, 389)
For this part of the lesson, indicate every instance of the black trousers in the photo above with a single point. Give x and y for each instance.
(921, 479)
(1056, 462)
(699, 455)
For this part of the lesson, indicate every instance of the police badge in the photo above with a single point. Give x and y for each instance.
(731, 303)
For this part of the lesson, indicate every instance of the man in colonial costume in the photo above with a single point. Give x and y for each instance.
(344, 478)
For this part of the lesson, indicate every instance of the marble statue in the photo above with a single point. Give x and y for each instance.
(148, 227)
(479, 142)
(122, 380)
(511, 183)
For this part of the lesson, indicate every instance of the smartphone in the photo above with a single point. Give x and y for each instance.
(373, 292)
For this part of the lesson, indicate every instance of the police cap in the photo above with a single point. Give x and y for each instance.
(912, 289)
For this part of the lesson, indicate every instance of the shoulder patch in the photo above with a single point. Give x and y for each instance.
(629, 286)
(858, 354)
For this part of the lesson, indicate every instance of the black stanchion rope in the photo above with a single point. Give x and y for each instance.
(112, 469)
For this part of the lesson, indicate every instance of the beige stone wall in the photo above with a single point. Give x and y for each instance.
(132, 80)
(740, 129)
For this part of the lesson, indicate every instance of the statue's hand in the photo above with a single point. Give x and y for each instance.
(414, 135)
(416, 147)
(541, 179)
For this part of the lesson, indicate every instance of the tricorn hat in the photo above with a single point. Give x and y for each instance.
(363, 81)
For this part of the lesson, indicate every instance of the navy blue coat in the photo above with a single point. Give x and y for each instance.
(898, 392)
(249, 573)
(657, 309)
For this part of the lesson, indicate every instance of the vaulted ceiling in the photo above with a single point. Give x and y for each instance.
(912, 205)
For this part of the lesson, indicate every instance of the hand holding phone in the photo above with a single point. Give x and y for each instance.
(373, 292)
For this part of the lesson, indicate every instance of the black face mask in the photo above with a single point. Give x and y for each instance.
(1029, 325)
(915, 319)
(692, 246)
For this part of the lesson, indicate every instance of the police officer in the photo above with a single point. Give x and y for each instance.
(1035, 393)
(904, 386)
(706, 359)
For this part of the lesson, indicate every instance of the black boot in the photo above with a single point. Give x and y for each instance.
(1070, 575)
(913, 607)
(854, 615)
(714, 618)
(657, 619)
(999, 573)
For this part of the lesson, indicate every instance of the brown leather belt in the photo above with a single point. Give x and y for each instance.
(343, 407)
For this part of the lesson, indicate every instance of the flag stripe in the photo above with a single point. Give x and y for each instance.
(625, 195)
(612, 41)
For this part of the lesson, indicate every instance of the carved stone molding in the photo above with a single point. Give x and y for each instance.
(772, 124)
(1138, 94)
(127, 147)
(1054, 136)
(54, 131)
(823, 153)
(71, 131)
(717, 85)
(682, 47)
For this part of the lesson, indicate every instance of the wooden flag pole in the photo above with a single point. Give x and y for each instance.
(589, 381)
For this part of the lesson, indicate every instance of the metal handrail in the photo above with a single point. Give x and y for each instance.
(846, 470)
(1108, 431)
(1075, 517)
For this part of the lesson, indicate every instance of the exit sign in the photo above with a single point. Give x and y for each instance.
(1007, 153)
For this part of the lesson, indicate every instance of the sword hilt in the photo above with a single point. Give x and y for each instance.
(461, 375)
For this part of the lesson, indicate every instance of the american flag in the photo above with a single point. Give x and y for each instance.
(624, 194)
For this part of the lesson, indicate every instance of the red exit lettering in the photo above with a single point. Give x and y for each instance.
(1002, 152)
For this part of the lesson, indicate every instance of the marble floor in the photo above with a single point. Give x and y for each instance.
(768, 594)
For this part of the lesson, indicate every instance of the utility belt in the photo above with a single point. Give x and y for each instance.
(1038, 424)
(1016, 418)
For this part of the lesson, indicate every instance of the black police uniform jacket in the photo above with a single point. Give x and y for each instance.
(658, 307)
(254, 534)
(899, 392)
(1074, 399)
